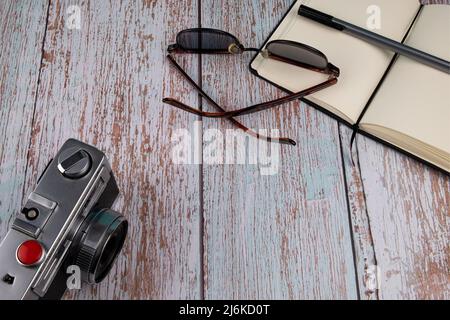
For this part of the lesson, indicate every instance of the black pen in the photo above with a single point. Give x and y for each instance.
(374, 38)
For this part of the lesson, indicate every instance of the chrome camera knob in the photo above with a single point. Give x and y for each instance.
(74, 163)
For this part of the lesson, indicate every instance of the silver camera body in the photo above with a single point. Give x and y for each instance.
(66, 221)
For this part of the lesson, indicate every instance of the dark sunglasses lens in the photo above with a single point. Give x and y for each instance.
(205, 40)
(298, 53)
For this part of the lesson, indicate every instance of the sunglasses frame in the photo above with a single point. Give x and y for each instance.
(177, 48)
(250, 132)
(330, 69)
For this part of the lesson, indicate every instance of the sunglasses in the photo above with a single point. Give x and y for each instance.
(212, 41)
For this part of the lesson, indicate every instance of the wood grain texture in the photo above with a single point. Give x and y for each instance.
(313, 230)
(400, 218)
(408, 209)
(365, 257)
(400, 221)
(285, 236)
(103, 84)
(22, 25)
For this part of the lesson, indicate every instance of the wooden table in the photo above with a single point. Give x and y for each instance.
(320, 228)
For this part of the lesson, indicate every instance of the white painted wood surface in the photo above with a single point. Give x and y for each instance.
(364, 254)
(22, 32)
(400, 220)
(408, 209)
(314, 230)
(103, 84)
(281, 236)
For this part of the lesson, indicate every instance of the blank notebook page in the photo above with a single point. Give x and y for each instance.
(414, 100)
(362, 65)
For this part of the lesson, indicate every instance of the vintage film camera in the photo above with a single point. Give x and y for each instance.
(67, 221)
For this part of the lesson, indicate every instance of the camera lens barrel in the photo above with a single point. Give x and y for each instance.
(101, 238)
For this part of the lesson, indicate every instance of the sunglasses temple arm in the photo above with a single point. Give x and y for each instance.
(271, 104)
(184, 107)
(251, 109)
(193, 83)
(215, 104)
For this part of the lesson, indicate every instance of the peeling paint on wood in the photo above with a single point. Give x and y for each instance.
(22, 27)
(285, 236)
(218, 231)
(408, 207)
(103, 84)
(365, 258)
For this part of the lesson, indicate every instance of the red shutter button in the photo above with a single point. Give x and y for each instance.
(29, 253)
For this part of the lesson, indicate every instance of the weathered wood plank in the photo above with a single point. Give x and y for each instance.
(281, 236)
(408, 209)
(22, 25)
(103, 83)
(400, 220)
(365, 257)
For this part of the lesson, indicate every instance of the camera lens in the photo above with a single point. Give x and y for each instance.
(101, 238)
(111, 250)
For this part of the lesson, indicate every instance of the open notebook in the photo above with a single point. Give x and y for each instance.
(410, 109)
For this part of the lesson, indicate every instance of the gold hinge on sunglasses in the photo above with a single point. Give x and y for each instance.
(234, 49)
